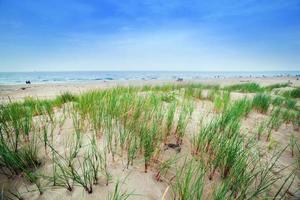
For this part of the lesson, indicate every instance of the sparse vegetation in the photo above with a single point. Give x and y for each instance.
(64, 98)
(294, 93)
(245, 87)
(84, 135)
(117, 194)
(277, 85)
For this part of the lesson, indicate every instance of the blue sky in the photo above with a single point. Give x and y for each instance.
(226, 35)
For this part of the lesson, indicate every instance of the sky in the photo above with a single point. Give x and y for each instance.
(159, 35)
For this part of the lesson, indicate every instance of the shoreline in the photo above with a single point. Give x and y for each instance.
(19, 78)
(50, 90)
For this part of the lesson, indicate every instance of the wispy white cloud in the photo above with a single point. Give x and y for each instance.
(157, 50)
(150, 34)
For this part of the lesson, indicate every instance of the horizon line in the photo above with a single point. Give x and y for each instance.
(37, 71)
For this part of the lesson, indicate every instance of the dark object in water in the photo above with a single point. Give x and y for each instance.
(173, 146)
(179, 79)
(27, 82)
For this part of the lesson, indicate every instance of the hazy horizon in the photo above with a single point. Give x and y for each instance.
(229, 71)
(152, 35)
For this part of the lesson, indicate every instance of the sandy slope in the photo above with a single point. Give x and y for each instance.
(134, 179)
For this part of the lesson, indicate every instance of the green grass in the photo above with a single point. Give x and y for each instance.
(274, 86)
(261, 102)
(220, 139)
(148, 138)
(164, 167)
(18, 148)
(245, 87)
(294, 93)
(277, 101)
(72, 170)
(34, 178)
(168, 97)
(189, 181)
(19, 161)
(290, 103)
(274, 121)
(261, 129)
(296, 121)
(133, 125)
(184, 116)
(84, 176)
(132, 149)
(170, 120)
(253, 180)
(221, 100)
(212, 93)
(117, 194)
(293, 144)
(65, 98)
(288, 116)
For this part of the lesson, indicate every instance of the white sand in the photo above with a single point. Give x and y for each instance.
(137, 181)
(17, 92)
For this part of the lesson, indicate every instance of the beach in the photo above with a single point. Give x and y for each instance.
(149, 100)
(67, 120)
(15, 92)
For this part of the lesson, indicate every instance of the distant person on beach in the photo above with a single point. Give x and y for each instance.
(28, 82)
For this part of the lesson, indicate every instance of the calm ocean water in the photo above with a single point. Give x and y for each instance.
(85, 76)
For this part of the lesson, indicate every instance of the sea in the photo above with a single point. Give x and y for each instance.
(12, 78)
